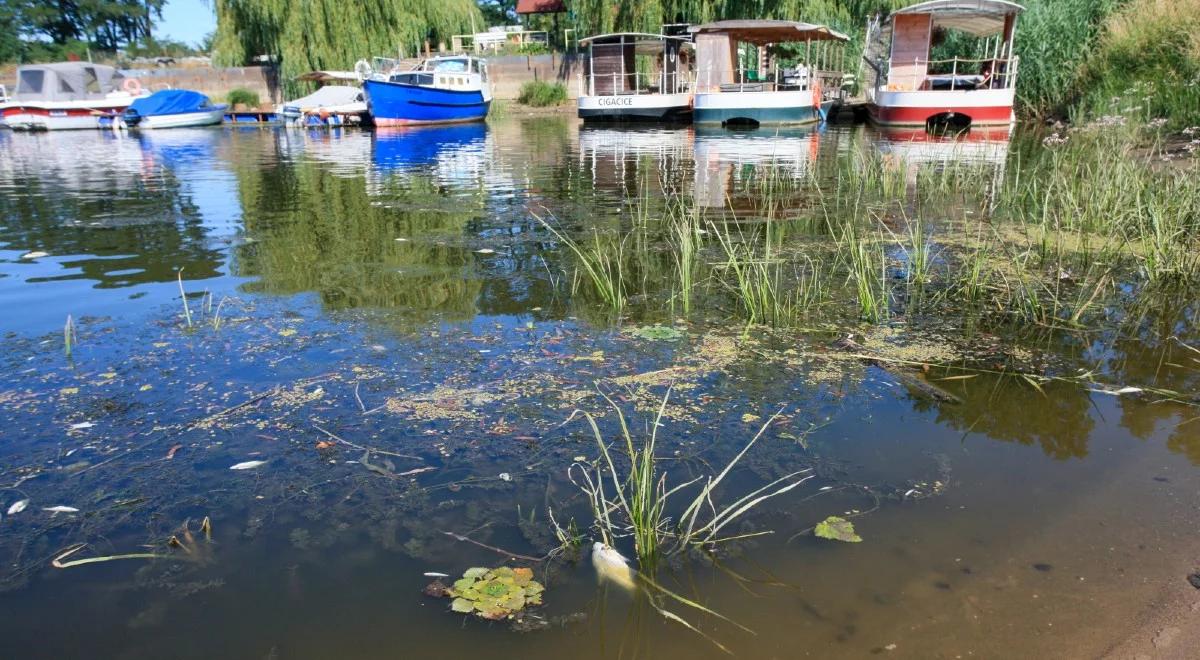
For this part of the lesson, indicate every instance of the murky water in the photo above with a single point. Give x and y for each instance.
(397, 290)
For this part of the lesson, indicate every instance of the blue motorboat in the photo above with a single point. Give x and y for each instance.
(439, 90)
(173, 108)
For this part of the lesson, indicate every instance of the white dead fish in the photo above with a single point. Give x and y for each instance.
(436, 574)
(60, 509)
(610, 565)
(82, 425)
(36, 254)
(504, 476)
(18, 507)
(248, 465)
(485, 251)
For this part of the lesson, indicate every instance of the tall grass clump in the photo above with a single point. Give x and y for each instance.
(1054, 39)
(601, 264)
(541, 94)
(244, 97)
(1147, 58)
(630, 496)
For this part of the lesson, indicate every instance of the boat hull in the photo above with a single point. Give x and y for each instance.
(49, 118)
(762, 108)
(644, 107)
(397, 104)
(983, 107)
(183, 119)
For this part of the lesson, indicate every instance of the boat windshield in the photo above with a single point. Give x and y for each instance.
(452, 66)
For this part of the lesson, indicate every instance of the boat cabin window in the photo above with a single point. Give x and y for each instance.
(30, 81)
(412, 78)
(92, 81)
(452, 66)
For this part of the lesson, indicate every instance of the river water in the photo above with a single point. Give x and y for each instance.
(348, 289)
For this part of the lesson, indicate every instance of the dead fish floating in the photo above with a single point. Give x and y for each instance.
(60, 509)
(247, 465)
(18, 507)
(435, 574)
(612, 566)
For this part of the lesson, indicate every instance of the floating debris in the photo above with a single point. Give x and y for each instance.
(836, 528)
(248, 465)
(657, 333)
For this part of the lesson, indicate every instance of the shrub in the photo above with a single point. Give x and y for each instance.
(540, 94)
(243, 97)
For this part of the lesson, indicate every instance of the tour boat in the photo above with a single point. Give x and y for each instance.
(907, 88)
(612, 88)
(439, 90)
(740, 81)
(67, 95)
(173, 108)
(331, 105)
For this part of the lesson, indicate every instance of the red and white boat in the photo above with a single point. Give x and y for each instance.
(67, 95)
(907, 88)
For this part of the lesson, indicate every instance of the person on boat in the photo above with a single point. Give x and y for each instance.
(985, 75)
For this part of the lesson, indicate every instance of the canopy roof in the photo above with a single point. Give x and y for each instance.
(65, 81)
(629, 37)
(326, 97)
(329, 76)
(169, 102)
(762, 32)
(982, 18)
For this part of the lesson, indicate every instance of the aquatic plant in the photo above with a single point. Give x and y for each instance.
(836, 528)
(495, 593)
(69, 337)
(245, 97)
(638, 504)
(601, 261)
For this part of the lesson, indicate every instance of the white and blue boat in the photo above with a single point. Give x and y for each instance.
(173, 108)
(439, 90)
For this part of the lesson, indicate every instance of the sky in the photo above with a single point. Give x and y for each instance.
(186, 20)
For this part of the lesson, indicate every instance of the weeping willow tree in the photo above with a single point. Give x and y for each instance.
(304, 35)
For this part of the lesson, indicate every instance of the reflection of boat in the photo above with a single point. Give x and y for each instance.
(725, 157)
(67, 95)
(620, 158)
(741, 78)
(906, 88)
(912, 148)
(612, 88)
(440, 90)
(399, 149)
(173, 108)
(331, 105)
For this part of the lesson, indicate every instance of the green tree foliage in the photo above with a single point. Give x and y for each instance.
(105, 24)
(319, 34)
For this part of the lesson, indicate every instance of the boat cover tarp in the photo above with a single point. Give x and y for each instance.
(327, 97)
(65, 81)
(171, 102)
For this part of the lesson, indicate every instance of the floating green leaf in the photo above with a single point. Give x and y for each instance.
(835, 528)
(495, 593)
(657, 333)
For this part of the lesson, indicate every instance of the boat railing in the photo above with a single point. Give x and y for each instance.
(777, 79)
(634, 83)
(985, 73)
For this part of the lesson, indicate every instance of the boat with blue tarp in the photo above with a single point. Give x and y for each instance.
(439, 90)
(173, 108)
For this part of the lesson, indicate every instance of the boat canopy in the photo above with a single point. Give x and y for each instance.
(981, 18)
(170, 102)
(763, 32)
(326, 77)
(328, 97)
(630, 37)
(65, 81)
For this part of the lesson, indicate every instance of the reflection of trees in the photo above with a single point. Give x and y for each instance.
(126, 213)
(1006, 409)
(319, 232)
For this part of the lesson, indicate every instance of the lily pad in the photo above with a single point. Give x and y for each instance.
(836, 528)
(475, 573)
(462, 606)
(657, 333)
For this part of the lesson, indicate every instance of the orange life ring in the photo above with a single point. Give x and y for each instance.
(132, 85)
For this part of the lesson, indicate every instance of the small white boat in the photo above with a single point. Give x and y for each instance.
(331, 105)
(173, 108)
(611, 88)
(67, 95)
